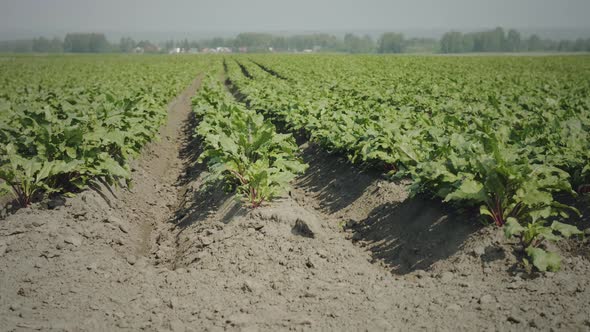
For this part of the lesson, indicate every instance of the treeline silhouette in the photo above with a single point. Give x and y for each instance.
(495, 40)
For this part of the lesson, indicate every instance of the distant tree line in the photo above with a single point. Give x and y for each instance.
(72, 43)
(264, 42)
(496, 40)
(86, 43)
(37, 45)
(322, 42)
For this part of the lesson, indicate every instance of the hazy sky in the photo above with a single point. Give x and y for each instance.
(47, 17)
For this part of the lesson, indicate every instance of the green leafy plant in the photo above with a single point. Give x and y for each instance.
(513, 145)
(517, 196)
(28, 176)
(532, 237)
(66, 123)
(244, 148)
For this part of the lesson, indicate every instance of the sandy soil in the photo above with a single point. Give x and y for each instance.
(344, 250)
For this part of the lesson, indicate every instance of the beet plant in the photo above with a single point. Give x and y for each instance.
(533, 235)
(243, 148)
(67, 123)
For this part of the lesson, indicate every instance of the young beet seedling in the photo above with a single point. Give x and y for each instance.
(532, 237)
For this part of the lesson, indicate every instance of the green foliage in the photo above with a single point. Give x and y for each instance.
(244, 148)
(27, 176)
(507, 135)
(532, 237)
(67, 122)
(501, 178)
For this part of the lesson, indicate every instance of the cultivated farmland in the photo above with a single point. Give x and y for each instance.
(301, 192)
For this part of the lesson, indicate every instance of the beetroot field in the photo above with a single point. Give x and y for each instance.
(301, 192)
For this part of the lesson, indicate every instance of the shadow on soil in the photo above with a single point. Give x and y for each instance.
(333, 179)
(198, 201)
(190, 152)
(406, 236)
(414, 234)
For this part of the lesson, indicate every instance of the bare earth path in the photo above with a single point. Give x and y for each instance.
(88, 264)
(172, 254)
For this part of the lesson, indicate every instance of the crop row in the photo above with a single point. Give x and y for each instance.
(67, 122)
(241, 147)
(507, 135)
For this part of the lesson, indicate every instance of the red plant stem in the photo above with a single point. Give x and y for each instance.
(391, 167)
(254, 199)
(495, 217)
(22, 199)
(239, 176)
(537, 242)
(496, 212)
(499, 210)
